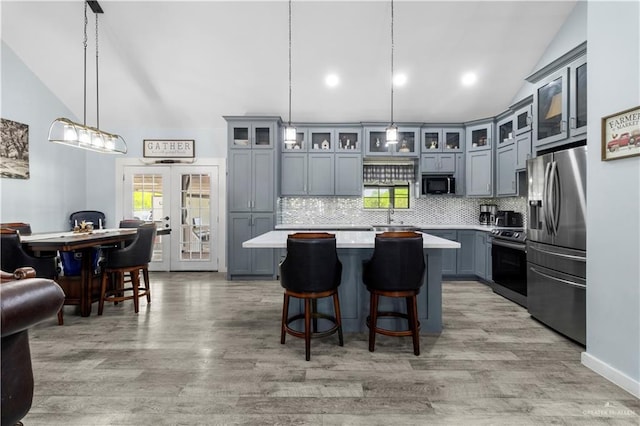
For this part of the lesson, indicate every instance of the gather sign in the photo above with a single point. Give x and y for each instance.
(169, 148)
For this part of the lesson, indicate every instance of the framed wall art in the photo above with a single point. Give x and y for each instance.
(14, 149)
(621, 134)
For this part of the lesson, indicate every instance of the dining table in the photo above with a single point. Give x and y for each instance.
(85, 243)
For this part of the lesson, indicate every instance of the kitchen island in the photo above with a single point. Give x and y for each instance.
(354, 247)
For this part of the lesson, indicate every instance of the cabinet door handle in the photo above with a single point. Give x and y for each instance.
(572, 122)
(563, 126)
(529, 120)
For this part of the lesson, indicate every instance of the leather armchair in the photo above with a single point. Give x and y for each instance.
(23, 303)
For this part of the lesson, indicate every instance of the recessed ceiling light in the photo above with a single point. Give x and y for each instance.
(332, 80)
(469, 79)
(399, 80)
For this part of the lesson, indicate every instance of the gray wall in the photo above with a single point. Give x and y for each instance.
(65, 179)
(57, 184)
(613, 191)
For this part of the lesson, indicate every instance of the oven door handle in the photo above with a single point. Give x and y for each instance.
(515, 246)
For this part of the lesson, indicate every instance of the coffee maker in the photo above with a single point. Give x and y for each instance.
(488, 213)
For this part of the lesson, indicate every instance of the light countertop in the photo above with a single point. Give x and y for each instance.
(346, 227)
(344, 239)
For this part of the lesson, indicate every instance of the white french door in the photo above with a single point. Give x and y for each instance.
(184, 199)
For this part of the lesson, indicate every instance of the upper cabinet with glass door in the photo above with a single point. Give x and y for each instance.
(348, 139)
(302, 141)
(442, 139)
(321, 139)
(578, 97)
(505, 131)
(480, 136)
(560, 100)
(252, 134)
(408, 144)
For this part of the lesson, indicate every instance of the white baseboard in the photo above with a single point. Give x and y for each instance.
(614, 376)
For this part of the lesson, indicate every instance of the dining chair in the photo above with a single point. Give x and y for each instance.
(311, 271)
(95, 216)
(395, 270)
(131, 260)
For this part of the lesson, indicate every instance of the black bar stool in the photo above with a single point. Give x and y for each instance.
(311, 271)
(131, 259)
(395, 270)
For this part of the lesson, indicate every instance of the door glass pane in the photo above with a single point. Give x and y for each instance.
(195, 235)
(550, 104)
(505, 132)
(452, 140)
(581, 96)
(147, 205)
(479, 137)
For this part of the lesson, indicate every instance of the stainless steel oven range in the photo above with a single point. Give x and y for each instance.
(509, 264)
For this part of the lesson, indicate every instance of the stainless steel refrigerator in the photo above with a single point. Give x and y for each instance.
(556, 241)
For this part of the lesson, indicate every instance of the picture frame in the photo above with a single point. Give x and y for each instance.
(168, 148)
(621, 134)
(14, 149)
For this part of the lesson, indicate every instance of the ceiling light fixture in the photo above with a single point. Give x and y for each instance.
(67, 132)
(332, 80)
(469, 79)
(290, 131)
(392, 129)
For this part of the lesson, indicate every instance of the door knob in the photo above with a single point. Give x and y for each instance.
(166, 218)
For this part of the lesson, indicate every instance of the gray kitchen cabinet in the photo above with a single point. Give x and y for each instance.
(307, 174)
(251, 193)
(466, 254)
(252, 133)
(251, 180)
(479, 137)
(560, 100)
(434, 163)
(449, 257)
(505, 134)
(321, 174)
(506, 171)
(376, 143)
(480, 261)
(348, 175)
(523, 120)
(442, 139)
(523, 150)
(250, 262)
(460, 174)
(479, 174)
(293, 174)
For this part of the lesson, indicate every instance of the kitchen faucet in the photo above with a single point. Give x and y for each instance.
(389, 213)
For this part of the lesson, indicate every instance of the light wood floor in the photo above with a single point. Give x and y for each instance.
(207, 351)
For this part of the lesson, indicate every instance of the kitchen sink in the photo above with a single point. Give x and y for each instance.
(393, 228)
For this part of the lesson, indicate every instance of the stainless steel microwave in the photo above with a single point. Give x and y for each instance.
(438, 184)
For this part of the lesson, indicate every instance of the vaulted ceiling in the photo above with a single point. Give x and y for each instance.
(181, 64)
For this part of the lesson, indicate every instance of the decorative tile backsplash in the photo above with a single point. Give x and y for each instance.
(431, 210)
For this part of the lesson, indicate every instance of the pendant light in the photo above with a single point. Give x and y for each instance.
(392, 129)
(290, 131)
(67, 132)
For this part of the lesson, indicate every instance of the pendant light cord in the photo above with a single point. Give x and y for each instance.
(289, 63)
(84, 43)
(97, 86)
(392, 49)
